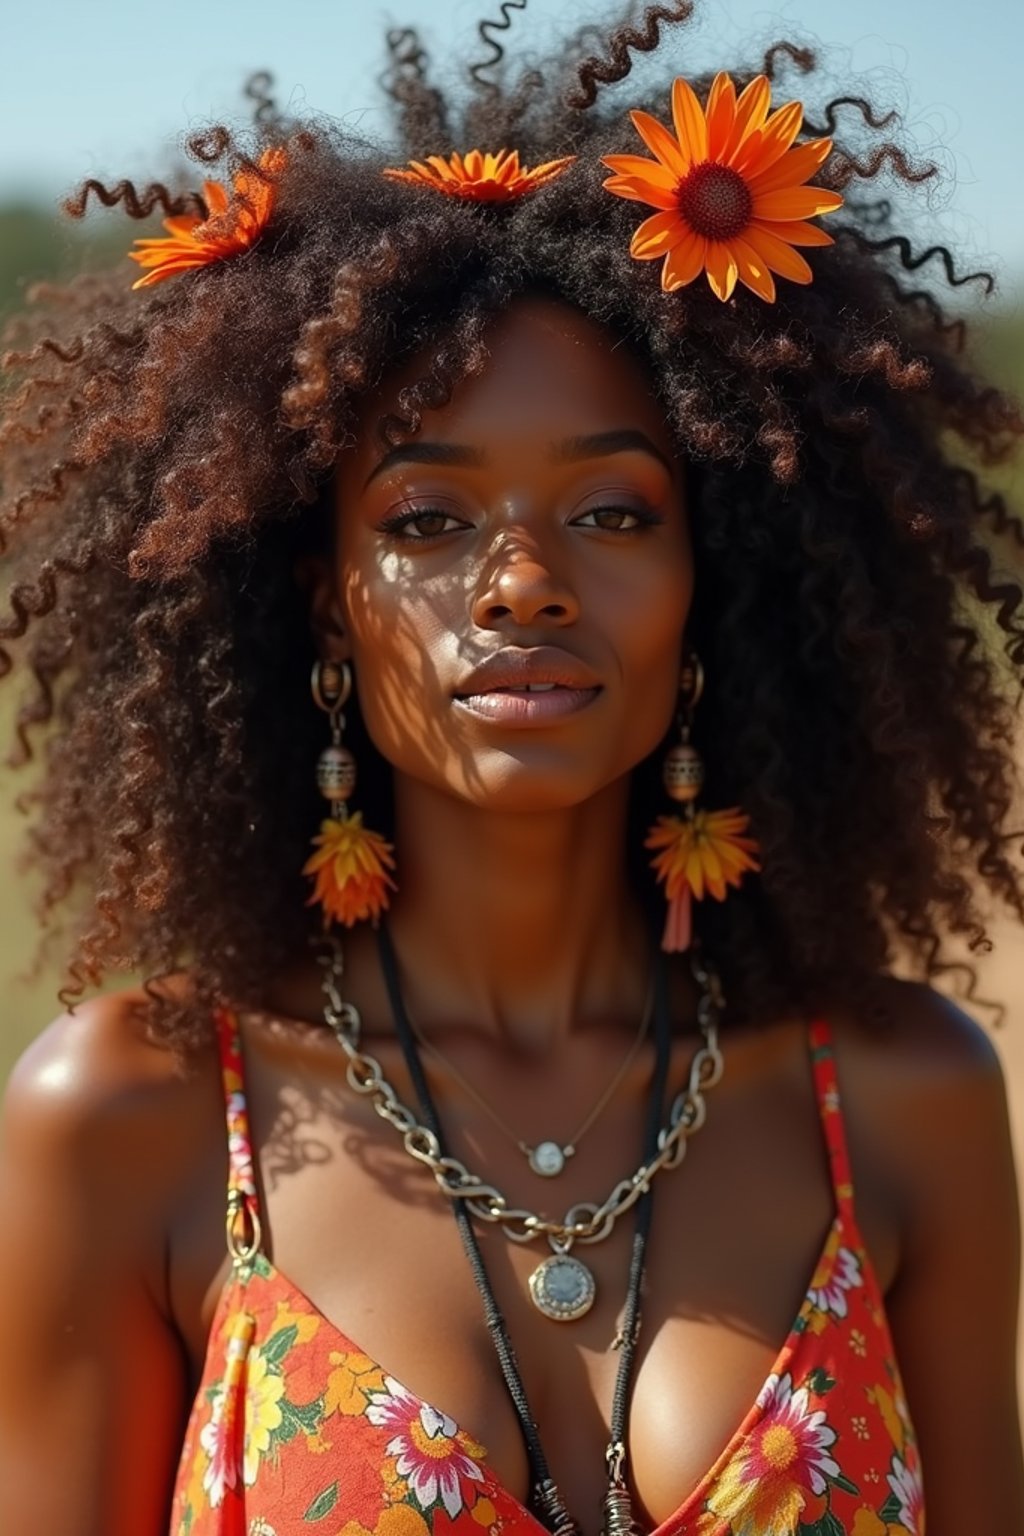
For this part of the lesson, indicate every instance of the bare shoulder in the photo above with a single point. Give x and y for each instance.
(922, 1050)
(95, 1099)
(101, 1057)
(925, 1103)
(99, 1130)
(924, 1097)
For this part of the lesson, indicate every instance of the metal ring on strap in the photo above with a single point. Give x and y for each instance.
(245, 1245)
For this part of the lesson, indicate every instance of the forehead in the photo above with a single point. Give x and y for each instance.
(551, 373)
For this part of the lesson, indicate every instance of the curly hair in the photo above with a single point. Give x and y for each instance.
(167, 457)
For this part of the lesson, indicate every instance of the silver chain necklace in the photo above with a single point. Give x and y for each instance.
(562, 1286)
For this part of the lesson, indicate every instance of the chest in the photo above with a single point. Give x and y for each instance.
(371, 1252)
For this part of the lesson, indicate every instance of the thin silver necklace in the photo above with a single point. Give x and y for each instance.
(549, 1157)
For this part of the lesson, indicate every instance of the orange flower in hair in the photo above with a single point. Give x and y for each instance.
(480, 178)
(729, 189)
(232, 225)
(350, 866)
(705, 852)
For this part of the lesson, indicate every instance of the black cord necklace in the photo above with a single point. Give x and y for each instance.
(545, 1496)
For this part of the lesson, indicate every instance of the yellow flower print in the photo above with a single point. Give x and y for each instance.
(354, 1376)
(709, 1524)
(195, 1497)
(306, 1323)
(396, 1488)
(399, 1520)
(886, 1406)
(264, 1388)
(867, 1523)
(484, 1513)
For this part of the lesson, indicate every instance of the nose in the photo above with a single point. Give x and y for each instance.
(520, 586)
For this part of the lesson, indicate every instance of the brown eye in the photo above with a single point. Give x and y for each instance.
(427, 524)
(420, 524)
(614, 519)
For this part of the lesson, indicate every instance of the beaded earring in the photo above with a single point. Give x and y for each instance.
(700, 851)
(351, 862)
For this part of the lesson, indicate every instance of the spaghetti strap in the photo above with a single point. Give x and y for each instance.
(830, 1108)
(244, 1232)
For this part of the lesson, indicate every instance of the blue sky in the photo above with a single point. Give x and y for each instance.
(105, 88)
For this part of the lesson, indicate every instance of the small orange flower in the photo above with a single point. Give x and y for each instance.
(351, 878)
(705, 852)
(480, 178)
(231, 226)
(728, 187)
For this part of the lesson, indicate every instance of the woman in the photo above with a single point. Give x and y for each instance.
(642, 580)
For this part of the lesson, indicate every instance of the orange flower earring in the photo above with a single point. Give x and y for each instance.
(700, 851)
(351, 863)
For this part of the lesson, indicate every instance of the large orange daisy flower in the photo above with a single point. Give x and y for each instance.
(480, 178)
(232, 225)
(705, 852)
(729, 189)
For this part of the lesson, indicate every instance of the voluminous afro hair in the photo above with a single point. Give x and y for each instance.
(167, 456)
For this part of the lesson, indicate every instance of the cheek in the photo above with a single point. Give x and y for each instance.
(650, 643)
(401, 635)
(650, 610)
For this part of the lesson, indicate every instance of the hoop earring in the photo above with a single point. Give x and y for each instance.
(701, 851)
(351, 863)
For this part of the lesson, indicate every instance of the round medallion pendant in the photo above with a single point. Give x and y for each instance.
(562, 1288)
(547, 1158)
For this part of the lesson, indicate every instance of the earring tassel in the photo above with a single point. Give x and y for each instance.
(678, 922)
(350, 867)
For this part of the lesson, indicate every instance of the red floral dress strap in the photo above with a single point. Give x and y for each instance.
(244, 1232)
(830, 1107)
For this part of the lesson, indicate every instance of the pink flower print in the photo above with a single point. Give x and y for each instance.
(220, 1436)
(845, 1276)
(907, 1487)
(780, 1473)
(219, 1439)
(239, 1151)
(432, 1455)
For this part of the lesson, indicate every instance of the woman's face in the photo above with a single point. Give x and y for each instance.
(533, 532)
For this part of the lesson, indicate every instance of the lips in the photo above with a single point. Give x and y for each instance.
(528, 687)
(518, 670)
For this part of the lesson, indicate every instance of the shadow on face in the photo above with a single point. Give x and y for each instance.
(540, 514)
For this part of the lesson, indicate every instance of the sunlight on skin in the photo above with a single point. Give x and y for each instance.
(514, 566)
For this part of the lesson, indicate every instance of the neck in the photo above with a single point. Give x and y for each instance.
(519, 924)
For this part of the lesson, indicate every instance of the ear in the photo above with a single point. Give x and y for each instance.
(313, 575)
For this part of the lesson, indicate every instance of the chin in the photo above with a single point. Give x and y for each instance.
(517, 785)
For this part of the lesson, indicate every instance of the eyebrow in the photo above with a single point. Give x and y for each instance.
(572, 450)
(620, 440)
(426, 453)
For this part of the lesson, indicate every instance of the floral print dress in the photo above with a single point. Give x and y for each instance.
(295, 1431)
